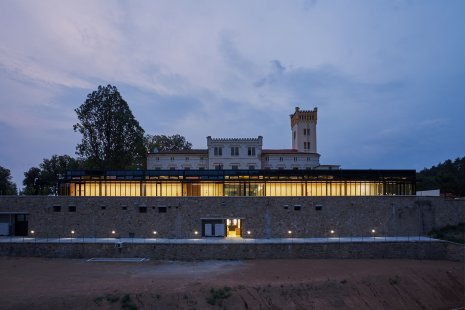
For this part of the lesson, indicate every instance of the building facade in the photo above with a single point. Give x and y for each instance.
(233, 188)
(248, 153)
(241, 167)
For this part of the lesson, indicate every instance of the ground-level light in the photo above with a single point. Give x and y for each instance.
(196, 232)
(154, 232)
(113, 232)
(248, 232)
(289, 232)
(72, 232)
(32, 232)
(332, 232)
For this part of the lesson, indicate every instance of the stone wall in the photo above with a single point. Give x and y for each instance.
(264, 217)
(200, 251)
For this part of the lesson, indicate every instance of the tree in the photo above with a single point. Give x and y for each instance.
(7, 187)
(44, 180)
(166, 143)
(449, 177)
(32, 183)
(111, 137)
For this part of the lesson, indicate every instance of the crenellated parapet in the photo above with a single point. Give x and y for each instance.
(304, 115)
(259, 139)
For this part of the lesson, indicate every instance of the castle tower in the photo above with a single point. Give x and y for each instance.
(303, 126)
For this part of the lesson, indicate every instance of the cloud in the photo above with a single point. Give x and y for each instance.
(387, 76)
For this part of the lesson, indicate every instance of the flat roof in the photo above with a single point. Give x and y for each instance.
(266, 174)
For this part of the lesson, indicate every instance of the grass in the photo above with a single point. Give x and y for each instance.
(98, 300)
(127, 304)
(453, 233)
(218, 295)
(112, 298)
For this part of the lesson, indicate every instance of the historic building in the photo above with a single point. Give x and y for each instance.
(248, 153)
(233, 188)
(241, 167)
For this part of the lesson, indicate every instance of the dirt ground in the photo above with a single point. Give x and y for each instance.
(37, 283)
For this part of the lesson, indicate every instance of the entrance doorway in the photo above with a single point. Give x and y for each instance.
(21, 225)
(13, 224)
(229, 228)
(213, 228)
(234, 227)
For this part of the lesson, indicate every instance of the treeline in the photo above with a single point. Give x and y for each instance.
(111, 139)
(448, 176)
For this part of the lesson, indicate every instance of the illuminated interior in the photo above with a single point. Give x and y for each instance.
(233, 228)
(256, 183)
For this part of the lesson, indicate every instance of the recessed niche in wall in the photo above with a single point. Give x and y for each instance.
(72, 208)
(318, 207)
(161, 209)
(56, 208)
(297, 208)
(142, 209)
(103, 207)
(124, 208)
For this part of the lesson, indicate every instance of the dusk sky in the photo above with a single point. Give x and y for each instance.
(388, 77)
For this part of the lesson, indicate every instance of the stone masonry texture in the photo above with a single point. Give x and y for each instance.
(264, 217)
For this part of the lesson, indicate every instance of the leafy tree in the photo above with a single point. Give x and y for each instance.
(449, 177)
(166, 143)
(7, 187)
(111, 137)
(44, 180)
(32, 183)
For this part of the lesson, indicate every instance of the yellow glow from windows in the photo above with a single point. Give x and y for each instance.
(284, 189)
(153, 188)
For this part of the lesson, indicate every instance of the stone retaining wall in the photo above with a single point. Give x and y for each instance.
(189, 251)
(264, 217)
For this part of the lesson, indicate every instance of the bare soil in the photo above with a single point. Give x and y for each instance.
(38, 283)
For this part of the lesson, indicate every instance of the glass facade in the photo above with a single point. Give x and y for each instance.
(174, 183)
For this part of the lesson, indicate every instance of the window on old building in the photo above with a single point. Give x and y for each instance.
(251, 151)
(218, 151)
(235, 151)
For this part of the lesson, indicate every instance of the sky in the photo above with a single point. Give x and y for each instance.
(388, 77)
